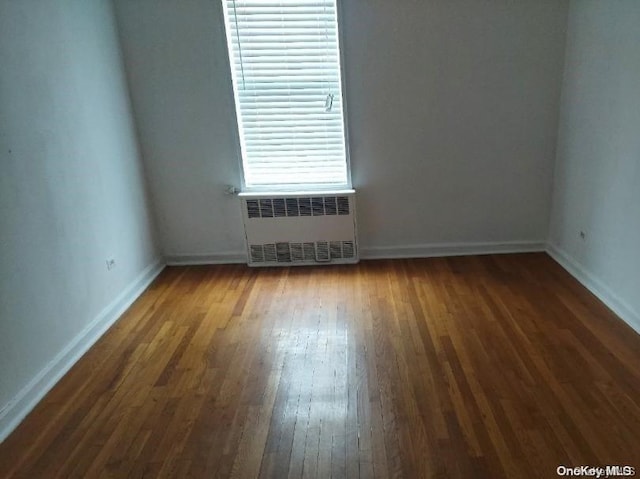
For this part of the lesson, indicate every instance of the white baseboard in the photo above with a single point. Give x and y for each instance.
(383, 252)
(590, 281)
(451, 249)
(218, 258)
(17, 408)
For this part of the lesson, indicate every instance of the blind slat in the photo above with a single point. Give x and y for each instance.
(285, 64)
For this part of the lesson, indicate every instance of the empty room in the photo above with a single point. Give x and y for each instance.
(319, 238)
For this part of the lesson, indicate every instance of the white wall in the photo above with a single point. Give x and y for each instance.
(452, 117)
(597, 177)
(180, 82)
(71, 191)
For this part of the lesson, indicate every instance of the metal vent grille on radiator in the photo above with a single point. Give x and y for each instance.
(303, 206)
(318, 251)
(300, 228)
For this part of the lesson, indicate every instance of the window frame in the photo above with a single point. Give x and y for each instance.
(299, 188)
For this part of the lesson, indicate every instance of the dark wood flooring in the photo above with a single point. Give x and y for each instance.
(469, 367)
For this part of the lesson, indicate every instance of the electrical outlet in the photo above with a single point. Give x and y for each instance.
(111, 263)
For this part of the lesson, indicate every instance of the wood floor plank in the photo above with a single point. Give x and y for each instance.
(464, 367)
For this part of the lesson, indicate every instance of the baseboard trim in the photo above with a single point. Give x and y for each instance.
(451, 249)
(383, 252)
(218, 258)
(12, 414)
(596, 286)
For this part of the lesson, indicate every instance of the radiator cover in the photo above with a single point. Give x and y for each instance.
(294, 228)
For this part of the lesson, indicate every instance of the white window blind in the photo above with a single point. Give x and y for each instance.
(285, 64)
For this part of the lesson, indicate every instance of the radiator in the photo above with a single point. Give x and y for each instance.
(298, 229)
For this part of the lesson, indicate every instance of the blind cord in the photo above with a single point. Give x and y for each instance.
(235, 19)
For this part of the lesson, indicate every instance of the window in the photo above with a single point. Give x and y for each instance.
(285, 64)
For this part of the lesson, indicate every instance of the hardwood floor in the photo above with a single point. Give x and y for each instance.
(470, 367)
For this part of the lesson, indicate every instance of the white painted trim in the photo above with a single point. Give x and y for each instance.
(29, 396)
(271, 193)
(234, 257)
(594, 284)
(451, 249)
(383, 252)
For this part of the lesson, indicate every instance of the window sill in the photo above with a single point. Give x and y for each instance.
(295, 193)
